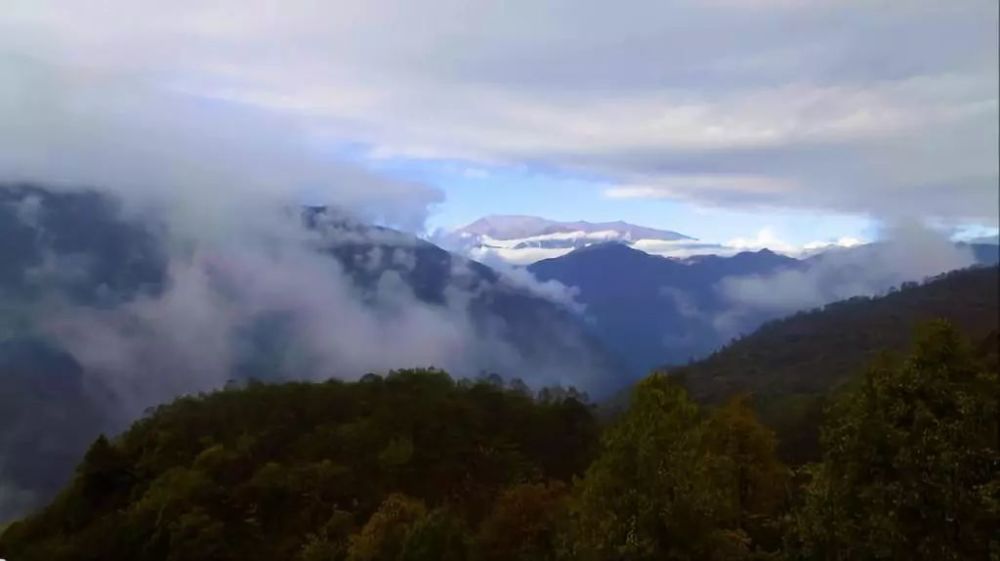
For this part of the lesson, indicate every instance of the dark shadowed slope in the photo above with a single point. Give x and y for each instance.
(650, 309)
(813, 352)
(545, 334)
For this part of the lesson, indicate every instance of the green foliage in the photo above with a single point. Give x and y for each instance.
(416, 467)
(306, 471)
(670, 485)
(751, 483)
(791, 366)
(911, 468)
(385, 534)
(814, 351)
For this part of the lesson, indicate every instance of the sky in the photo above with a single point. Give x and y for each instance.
(749, 123)
(725, 120)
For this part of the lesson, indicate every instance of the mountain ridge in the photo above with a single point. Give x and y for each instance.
(521, 239)
(649, 308)
(777, 358)
(72, 265)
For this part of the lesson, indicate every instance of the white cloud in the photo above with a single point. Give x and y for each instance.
(765, 238)
(863, 116)
(844, 241)
(907, 251)
(669, 187)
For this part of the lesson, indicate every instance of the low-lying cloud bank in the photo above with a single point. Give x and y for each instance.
(770, 104)
(148, 307)
(240, 287)
(908, 251)
(220, 293)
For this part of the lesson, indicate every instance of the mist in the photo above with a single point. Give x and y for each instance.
(244, 289)
(221, 183)
(908, 250)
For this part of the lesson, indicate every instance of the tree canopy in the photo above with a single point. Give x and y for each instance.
(417, 466)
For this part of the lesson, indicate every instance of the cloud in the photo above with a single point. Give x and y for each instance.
(669, 186)
(866, 115)
(822, 245)
(765, 239)
(907, 251)
(520, 277)
(208, 162)
(14, 501)
(172, 307)
(197, 332)
(768, 238)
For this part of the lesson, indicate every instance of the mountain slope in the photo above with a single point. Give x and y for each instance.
(653, 310)
(101, 316)
(547, 335)
(815, 351)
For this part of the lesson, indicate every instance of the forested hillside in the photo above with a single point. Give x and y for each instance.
(415, 466)
(813, 352)
(279, 471)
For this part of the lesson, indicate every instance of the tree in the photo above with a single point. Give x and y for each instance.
(330, 543)
(196, 535)
(103, 475)
(440, 535)
(384, 535)
(648, 494)
(524, 524)
(746, 472)
(911, 467)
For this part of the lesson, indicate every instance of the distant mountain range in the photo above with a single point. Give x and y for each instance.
(74, 262)
(526, 239)
(654, 310)
(522, 240)
(546, 335)
(74, 258)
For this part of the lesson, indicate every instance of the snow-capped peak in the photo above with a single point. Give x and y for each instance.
(525, 239)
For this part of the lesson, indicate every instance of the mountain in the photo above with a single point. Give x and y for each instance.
(103, 314)
(984, 253)
(526, 239)
(545, 334)
(653, 310)
(985, 240)
(813, 351)
(794, 367)
(657, 310)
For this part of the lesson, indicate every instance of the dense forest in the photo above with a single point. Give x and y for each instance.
(793, 367)
(418, 466)
(813, 351)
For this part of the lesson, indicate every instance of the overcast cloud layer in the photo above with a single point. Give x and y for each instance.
(873, 107)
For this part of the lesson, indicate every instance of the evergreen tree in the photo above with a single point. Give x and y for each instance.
(911, 468)
(649, 493)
